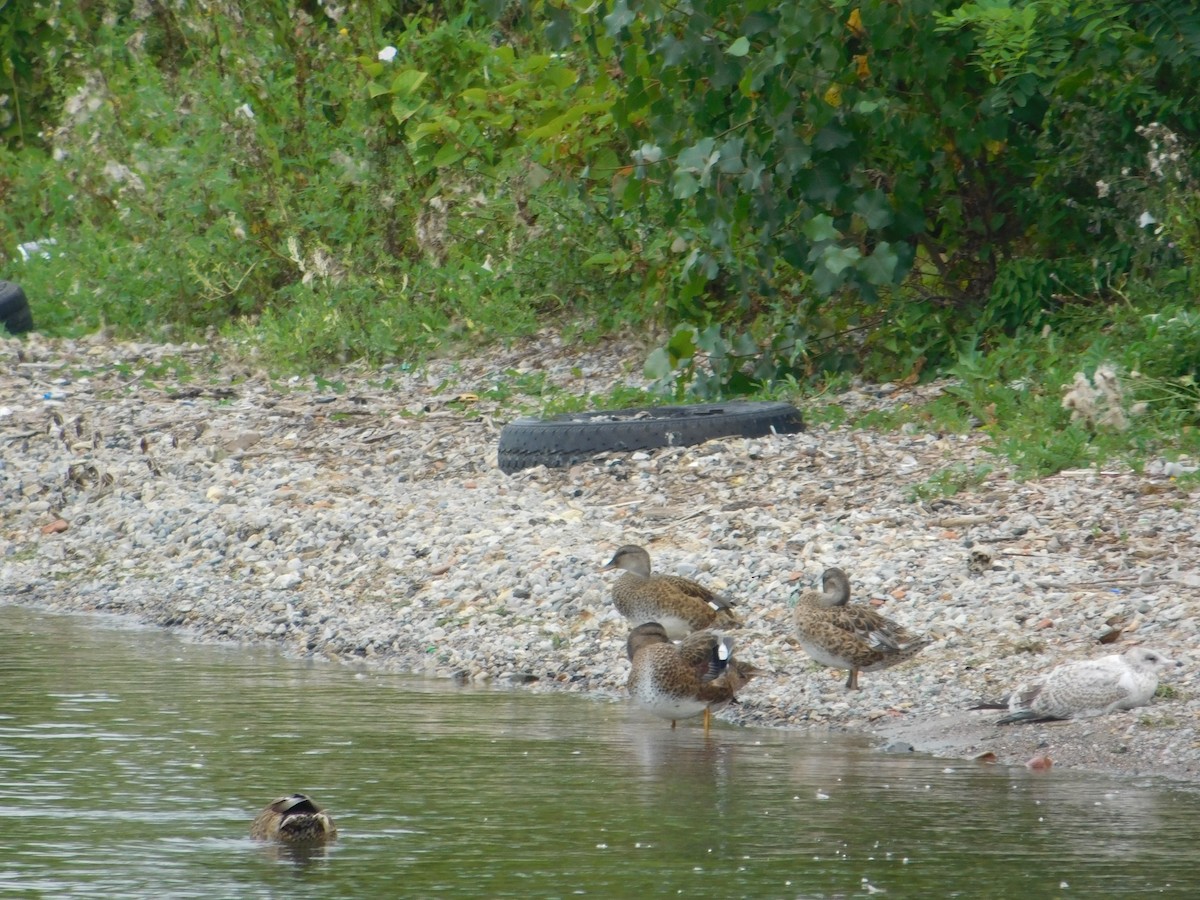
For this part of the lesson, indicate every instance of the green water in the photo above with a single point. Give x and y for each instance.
(131, 764)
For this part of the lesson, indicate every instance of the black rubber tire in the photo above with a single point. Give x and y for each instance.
(567, 439)
(15, 314)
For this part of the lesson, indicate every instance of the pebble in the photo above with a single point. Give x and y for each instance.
(379, 528)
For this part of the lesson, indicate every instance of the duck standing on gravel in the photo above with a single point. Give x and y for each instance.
(678, 604)
(678, 681)
(293, 819)
(1089, 687)
(842, 636)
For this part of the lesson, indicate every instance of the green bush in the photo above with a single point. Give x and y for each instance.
(871, 155)
(272, 170)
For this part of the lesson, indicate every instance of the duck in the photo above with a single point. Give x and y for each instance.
(678, 604)
(679, 681)
(1089, 687)
(293, 819)
(842, 636)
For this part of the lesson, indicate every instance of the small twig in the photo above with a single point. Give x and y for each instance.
(956, 521)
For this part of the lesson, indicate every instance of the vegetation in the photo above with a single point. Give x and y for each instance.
(1003, 191)
(949, 481)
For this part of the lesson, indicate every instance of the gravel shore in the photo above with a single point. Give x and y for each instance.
(362, 517)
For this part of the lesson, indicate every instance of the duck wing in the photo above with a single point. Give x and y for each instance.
(873, 629)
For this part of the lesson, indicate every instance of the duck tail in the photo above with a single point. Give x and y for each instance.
(726, 617)
(739, 673)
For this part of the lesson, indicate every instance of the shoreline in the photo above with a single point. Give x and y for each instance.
(370, 524)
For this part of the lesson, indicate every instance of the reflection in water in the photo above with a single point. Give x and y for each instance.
(299, 855)
(132, 763)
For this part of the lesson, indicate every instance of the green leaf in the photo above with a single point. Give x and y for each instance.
(711, 342)
(744, 345)
(731, 156)
(561, 78)
(833, 136)
(837, 259)
(619, 18)
(448, 155)
(684, 185)
(559, 124)
(882, 266)
(695, 160)
(406, 82)
(820, 228)
(740, 47)
(873, 206)
(603, 165)
(402, 111)
(450, 124)
(699, 157)
(682, 344)
(425, 129)
(658, 365)
(560, 28)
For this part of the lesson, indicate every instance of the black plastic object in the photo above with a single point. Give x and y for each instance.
(14, 308)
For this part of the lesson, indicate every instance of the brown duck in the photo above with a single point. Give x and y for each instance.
(678, 681)
(294, 819)
(842, 636)
(679, 605)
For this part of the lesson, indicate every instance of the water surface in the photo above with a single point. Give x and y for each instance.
(131, 764)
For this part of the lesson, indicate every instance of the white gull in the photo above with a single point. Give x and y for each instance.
(1089, 687)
